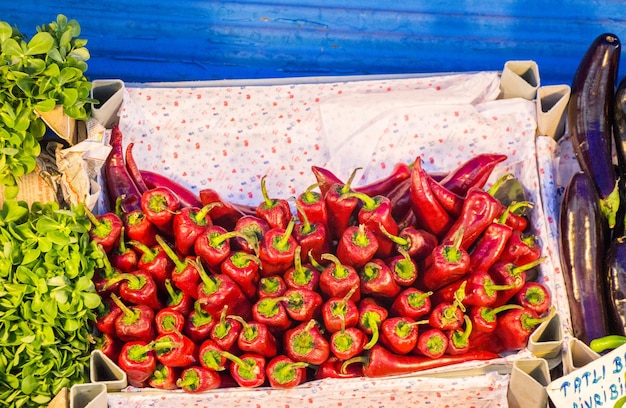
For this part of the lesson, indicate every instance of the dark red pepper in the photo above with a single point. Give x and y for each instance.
(429, 212)
(154, 260)
(484, 318)
(450, 201)
(310, 205)
(255, 337)
(213, 246)
(375, 214)
(535, 296)
(340, 312)
(282, 372)
(521, 248)
(331, 368)
(187, 197)
(432, 343)
(448, 315)
(347, 342)
(411, 302)
(133, 169)
(300, 275)
(306, 343)
(103, 273)
(122, 257)
(340, 208)
(337, 279)
(515, 327)
(184, 274)
(448, 263)
(187, 225)
(225, 213)
(105, 229)
(400, 198)
(199, 323)
(479, 290)
(303, 304)
(490, 246)
(277, 250)
(169, 320)
(138, 360)
(159, 205)
(196, 379)
(272, 312)
(403, 268)
(243, 268)
(210, 356)
(176, 299)
(459, 340)
(135, 323)
(276, 211)
(506, 273)
(138, 288)
(371, 316)
(106, 314)
(225, 332)
(219, 290)
(248, 369)
(175, 350)
(109, 345)
(139, 229)
(312, 237)
(377, 280)
(357, 246)
(164, 377)
(325, 179)
(400, 334)
(253, 229)
(418, 243)
(472, 173)
(271, 286)
(118, 181)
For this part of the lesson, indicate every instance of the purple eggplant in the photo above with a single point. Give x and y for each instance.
(590, 117)
(583, 239)
(619, 126)
(616, 285)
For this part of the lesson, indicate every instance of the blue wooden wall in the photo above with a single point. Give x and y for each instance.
(176, 40)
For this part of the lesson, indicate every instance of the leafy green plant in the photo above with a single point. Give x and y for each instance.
(47, 301)
(37, 74)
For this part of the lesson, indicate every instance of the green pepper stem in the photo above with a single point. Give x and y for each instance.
(498, 184)
(306, 225)
(245, 325)
(134, 281)
(398, 240)
(529, 265)
(353, 360)
(94, 220)
(340, 270)
(531, 322)
(128, 313)
(459, 338)
(369, 203)
(204, 211)
(489, 315)
(217, 240)
(242, 259)
(346, 187)
(237, 360)
(109, 271)
(269, 203)
(178, 263)
(373, 325)
(310, 197)
(283, 244)
(118, 205)
(314, 262)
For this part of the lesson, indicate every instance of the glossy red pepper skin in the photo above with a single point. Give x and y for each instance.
(484, 318)
(164, 377)
(399, 334)
(276, 211)
(219, 290)
(331, 368)
(272, 312)
(210, 356)
(256, 337)
(187, 225)
(347, 343)
(357, 246)
(339, 313)
(432, 343)
(429, 212)
(253, 228)
(196, 379)
(340, 208)
(490, 246)
(277, 250)
(213, 246)
(312, 237)
(306, 343)
(310, 205)
(187, 197)
(303, 304)
(155, 261)
(118, 181)
(249, 370)
(105, 230)
(303, 276)
(377, 280)
(337, 279)
(139, 288)
(535, 296)
(243, 269)
(371, 316)
(412, 303)
(176, 299)
(472, 173)
(135, 323)
(138, 361)
(271, 286)
(375, 215)
(198, 324)
(225, 333)
(480, 289)
(133, 169)
(400, 198)
(446, 316)
(521, 249)
(418, 243)
(168, 320)
(159, 205)
(176, 350)
(225, 214)
(106, 314)
(506, 273)
(450, 201)
(138, 228)
(448, 263)
(123, 257)
(282, 372)
(515, 327)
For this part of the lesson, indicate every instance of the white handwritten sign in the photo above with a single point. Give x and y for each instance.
(601, 383)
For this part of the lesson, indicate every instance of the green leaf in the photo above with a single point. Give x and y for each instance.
(5, 31)
(29, 384)
(40, 43)
(80, 54)
(92, 300)
(46, 105)
(11, 192)
(11, 48)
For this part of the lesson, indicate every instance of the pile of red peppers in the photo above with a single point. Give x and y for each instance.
(410, 272)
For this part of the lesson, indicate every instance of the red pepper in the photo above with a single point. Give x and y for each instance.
(159, 205)
(105, 229)
(521, 249)
(275, 211)
(337, 279)
(109, 345)
(139, 228)
(515, 327)
(188, 224)
(217, 291)
(169, 321)
(325, 179)
(400, 334)
(301, 276)
(282, 372)
(226, 332)
(400, 198)
(122, 257)
(403, 268)
(459, 340)
(472, 173)
(103, 274)
(411, 302)
(371, 316)
(154, 260)
(184, 275)
(535, 296)
(253, 229)
(347, 342)
(196, 379)
(138, 361)
(272, 312)
(340, 207)
(210, 356)
(484, 318)
(306, 343)
(118, 181)
(340, 312)
(303, 304)
(187, 197)
(514, 220)
(248, 370)
(448, 315)
(255, 337)
(225, 214)
(138, 288)
(375, 214)
(489, 247)
(450, 201)
(331, 368)
(432, 343)
(199, 323)
(277, 250)
(506, 273)
(106, 314)
(135, 323)
(377, 280)
(271, 286)
(177, 299)
(479, 290)
(448, 263)
(381, 362)
(312, 237)
(357, 246)
(164, 377)
(133, 169)
(175, 350)
(418, 243)
(213, 246)
(310, 205)
(243, 269)
(429, 212)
